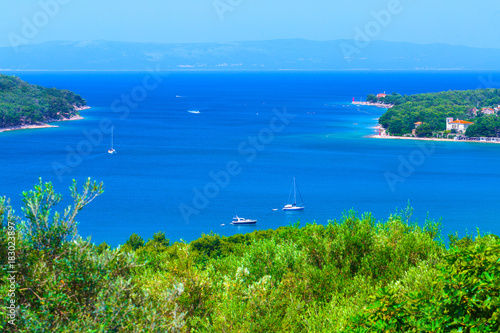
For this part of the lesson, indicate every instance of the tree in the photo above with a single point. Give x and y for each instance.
(371, 98)
(159, 242)
(102, 247)
(424, 131)
(485, 126)
(135, 242)
(160, 239)
(45, 232)
(396, 127)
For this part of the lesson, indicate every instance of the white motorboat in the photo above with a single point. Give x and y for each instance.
(242, 221)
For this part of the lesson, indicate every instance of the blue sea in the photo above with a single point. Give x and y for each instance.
(187, 174)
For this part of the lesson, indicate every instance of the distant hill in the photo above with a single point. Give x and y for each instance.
(24, 104)
(274, 54)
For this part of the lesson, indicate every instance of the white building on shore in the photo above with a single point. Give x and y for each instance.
(458, 125)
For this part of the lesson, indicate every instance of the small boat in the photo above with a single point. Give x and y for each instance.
(111, 150)
(242, 221)
(294, 205)
(194, 111)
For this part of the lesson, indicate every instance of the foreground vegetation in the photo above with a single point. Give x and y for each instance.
(352, 275)
(22, 103)
(432, 109)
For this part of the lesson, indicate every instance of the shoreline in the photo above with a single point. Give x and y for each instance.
(45, 125)
(23, 127)
(378, 105)
(376, 136)
(382, 135)
(424, 139)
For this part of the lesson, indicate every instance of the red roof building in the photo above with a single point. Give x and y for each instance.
(458, 121)
(458, 125)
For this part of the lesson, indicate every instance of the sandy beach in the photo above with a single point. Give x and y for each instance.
(43, 125)
(383, 135)
(376, 136)
(15, 128)
(410, 138)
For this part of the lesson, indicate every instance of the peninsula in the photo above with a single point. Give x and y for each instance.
(23, 105)
(471, 115)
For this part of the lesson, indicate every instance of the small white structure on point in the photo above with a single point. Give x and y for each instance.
(458, 125)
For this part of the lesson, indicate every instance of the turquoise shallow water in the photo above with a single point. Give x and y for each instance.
(255, 132)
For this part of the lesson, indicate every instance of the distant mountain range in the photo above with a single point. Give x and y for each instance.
(271, 55)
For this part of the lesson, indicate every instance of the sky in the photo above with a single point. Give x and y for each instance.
(455, 22)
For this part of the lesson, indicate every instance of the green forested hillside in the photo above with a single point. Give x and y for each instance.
(22, 103)
(352, 275)
(433, 108)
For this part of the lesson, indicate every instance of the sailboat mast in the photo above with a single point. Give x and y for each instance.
(112, 129)
(294, 193)
(294, 206)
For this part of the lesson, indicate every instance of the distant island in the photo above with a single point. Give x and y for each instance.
(471, 115)
(23, 105)
(282, 54)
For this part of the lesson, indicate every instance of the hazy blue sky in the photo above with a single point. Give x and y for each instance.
(460, 22)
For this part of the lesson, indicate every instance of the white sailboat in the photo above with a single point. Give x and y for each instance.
(111, 150)
(294, 205)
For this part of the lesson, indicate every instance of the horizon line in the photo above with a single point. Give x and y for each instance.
(248, 41)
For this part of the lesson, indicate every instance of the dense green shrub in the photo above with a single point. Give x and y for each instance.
(356, 274)
(485, 126)
(66, 284)
(461, 294)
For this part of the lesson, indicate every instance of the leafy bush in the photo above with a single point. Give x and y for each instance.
(66, 284)
(351, 275)
(461, 295)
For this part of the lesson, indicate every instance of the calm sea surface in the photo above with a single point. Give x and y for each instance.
(188, 174)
